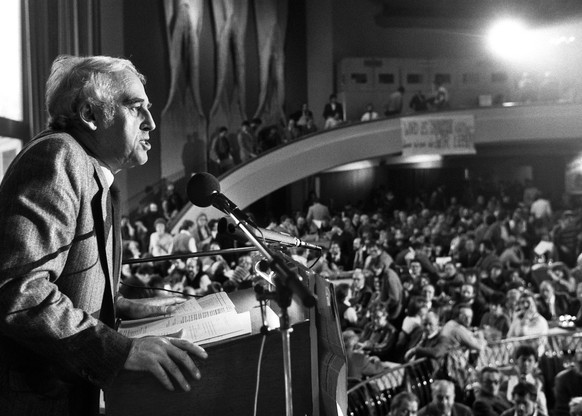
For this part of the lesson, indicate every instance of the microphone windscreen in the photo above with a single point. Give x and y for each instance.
(201, 189)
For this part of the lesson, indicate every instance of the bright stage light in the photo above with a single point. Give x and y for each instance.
(511, 39)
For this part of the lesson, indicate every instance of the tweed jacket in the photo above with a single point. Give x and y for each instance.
(57, 344)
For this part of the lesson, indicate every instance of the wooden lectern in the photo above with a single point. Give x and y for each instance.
(229, 375)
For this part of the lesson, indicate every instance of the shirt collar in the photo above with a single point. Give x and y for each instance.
(107, 173)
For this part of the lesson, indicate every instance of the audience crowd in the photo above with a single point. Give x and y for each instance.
(412, 280)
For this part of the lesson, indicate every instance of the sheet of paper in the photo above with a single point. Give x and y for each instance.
(201, 327)
(216, 300)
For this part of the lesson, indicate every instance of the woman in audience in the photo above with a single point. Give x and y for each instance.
(527, 321)
(202, 232)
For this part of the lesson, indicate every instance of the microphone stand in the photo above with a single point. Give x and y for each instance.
(286, 284)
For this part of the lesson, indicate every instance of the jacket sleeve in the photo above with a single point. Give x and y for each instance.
(41, 200)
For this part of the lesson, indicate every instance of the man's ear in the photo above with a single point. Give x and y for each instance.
(87, 116)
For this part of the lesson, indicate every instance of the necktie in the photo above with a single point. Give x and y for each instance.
(112, 233)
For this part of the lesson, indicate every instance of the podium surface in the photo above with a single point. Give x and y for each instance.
(229, 374)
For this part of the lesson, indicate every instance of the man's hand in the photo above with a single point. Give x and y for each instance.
(144, 308)
(167, 359)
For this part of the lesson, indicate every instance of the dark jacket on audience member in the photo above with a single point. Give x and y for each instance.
(561, 305)
(489, 405)
(458, 410)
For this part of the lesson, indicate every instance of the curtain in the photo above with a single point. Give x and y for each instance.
(52, 28)
(271, 18)
(230, 21)
(184, 125)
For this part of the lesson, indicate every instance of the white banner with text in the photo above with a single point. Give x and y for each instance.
(438, 135)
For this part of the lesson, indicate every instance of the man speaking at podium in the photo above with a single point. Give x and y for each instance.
(60, 250)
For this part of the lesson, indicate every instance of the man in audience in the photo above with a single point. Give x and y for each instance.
(318, 213)
(433, 344)
(333, 108)
(370, 114)
(443, 401)
(524, 396)
(395, 102)
(469, 297)
(459, 332)
(404, 404)
(245, 141)
(526, 369)
(359, 364)
(495, 322)
(552, 304)
(184, 242)
(488, 401)
(568, 384)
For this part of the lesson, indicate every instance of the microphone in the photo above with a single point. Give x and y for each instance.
(227, 226)
(203, 190)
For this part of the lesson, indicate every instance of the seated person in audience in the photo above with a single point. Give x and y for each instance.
(495, 322)
(428, 293)
(216, 266)
(527, 320)
(159, 285)
(359, 253)
(575, 406)
(551, 304)
(176, 278)
(560, 278)
(576, 306)
(523, 397)
(359, 363)
(370, 114)
(495, 281)
(411, 330)
(379, 336)
(526, 369)
(459, 332)
(137, 285)
(195, 277)
(337, 261)
(567, 385)
(468, 296)
(488, 401)
(160, 240)
(404, 404)
(347, 313)
(511, 306)
(415, 273)
(361, 292)
(432, 345)
(450, 282)
(243, 273)
(443, 401)
(488, 255)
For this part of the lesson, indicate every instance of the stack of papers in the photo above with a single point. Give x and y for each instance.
(202, 321)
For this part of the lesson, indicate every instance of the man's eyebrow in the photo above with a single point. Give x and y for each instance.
(136, 100)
